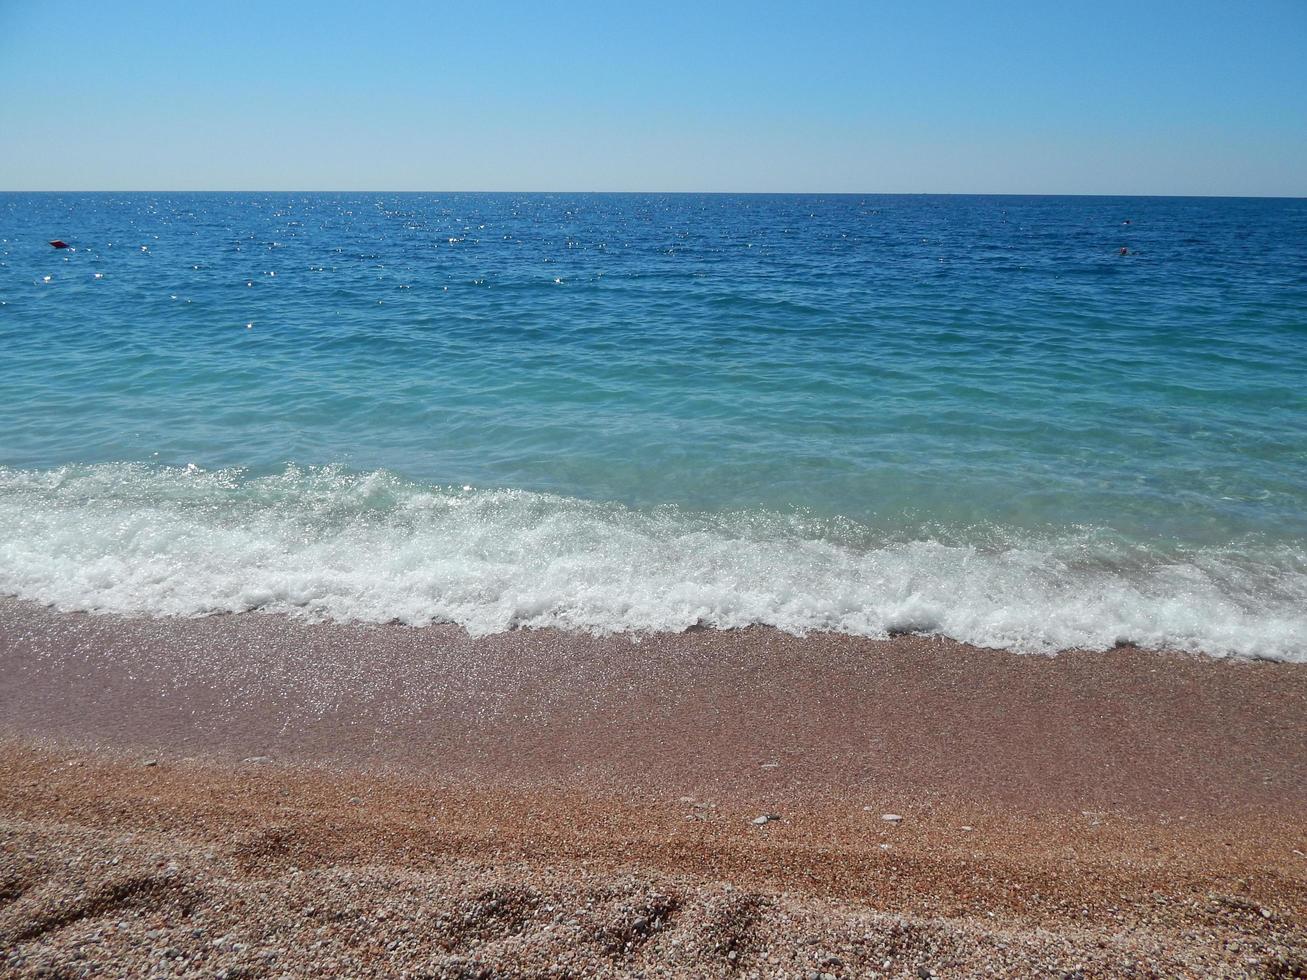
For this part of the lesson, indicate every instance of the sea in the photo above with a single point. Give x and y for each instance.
(1033, 423)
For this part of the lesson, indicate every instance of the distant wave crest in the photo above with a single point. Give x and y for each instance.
(328, 543)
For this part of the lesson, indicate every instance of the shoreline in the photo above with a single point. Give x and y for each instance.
(496, 806)
(755, 713)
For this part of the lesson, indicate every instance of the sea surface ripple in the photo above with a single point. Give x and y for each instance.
(963, 415)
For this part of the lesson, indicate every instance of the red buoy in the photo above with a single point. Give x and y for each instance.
(59, 243)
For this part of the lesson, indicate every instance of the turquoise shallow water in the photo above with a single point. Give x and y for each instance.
(962, 415)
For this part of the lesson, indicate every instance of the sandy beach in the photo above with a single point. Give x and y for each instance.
(254, 796)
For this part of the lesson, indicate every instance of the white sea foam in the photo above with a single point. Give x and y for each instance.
(325, 543)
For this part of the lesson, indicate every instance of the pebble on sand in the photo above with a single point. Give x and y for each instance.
(766, 818)
(891, 817)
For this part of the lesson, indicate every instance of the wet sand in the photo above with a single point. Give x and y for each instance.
(454, 806)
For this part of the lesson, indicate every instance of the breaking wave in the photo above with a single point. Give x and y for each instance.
(326, 543)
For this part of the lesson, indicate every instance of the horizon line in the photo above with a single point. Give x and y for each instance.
(695, 193)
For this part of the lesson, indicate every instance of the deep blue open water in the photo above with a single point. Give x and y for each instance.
(963, 415)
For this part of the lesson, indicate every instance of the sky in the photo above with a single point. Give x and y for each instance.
(930, 96)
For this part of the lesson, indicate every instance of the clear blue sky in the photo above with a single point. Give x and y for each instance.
(1138, 97)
